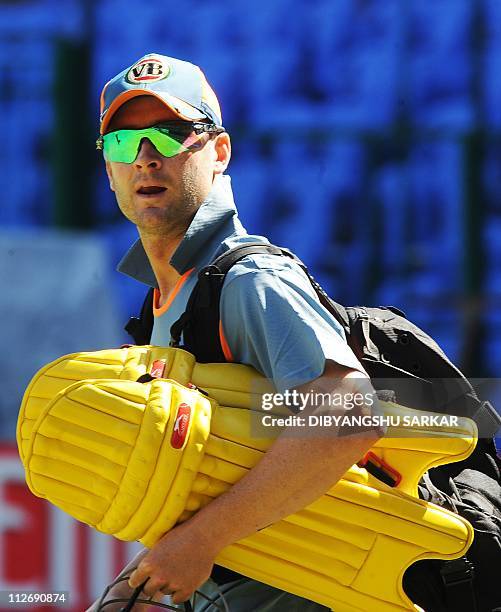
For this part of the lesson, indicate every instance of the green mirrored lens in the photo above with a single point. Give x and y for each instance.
(123, 145)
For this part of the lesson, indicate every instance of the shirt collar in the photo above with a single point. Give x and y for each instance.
(215, 220)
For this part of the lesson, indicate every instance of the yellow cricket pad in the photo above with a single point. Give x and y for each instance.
(133, 459)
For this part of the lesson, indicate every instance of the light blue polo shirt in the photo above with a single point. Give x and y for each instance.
(270, 314)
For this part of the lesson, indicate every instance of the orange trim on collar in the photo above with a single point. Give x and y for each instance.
(160, 310)
(224, 344)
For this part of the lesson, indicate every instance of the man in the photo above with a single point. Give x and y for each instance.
(169, 181)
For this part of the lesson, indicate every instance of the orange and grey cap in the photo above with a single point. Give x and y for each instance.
(180, 85)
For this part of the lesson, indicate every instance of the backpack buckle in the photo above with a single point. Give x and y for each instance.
(457, 571)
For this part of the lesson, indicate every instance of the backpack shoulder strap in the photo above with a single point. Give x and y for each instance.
(203, 304)
(140, 328)
(338, 311)
(229, 258)
(211, 277)
(226, 260)
(200, 323)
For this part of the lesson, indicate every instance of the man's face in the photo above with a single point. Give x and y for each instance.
(161, 194)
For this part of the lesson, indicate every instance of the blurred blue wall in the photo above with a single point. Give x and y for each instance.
(366, 137)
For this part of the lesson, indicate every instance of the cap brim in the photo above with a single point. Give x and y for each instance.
(181, 109)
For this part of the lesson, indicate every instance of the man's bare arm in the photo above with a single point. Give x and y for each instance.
(295, 471)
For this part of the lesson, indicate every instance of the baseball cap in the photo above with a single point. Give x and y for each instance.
(180, 85)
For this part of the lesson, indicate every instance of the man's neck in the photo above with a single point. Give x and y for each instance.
(159, 250)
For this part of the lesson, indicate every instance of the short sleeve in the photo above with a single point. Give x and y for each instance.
(272, 320)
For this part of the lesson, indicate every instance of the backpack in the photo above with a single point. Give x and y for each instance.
(401, 359)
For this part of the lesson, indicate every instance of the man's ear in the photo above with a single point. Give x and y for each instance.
(222, 152)
(110, 176)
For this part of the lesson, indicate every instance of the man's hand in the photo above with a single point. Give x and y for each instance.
(177, 564)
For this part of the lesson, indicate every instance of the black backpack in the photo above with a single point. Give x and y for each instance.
(402, 360)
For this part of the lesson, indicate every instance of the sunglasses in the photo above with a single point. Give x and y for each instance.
(169, 139)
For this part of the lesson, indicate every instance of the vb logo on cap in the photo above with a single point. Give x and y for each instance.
(180, 85)
(148, 70)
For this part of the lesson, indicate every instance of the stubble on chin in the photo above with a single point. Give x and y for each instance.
(168, 222)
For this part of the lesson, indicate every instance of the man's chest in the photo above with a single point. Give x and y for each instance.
(170, 312)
